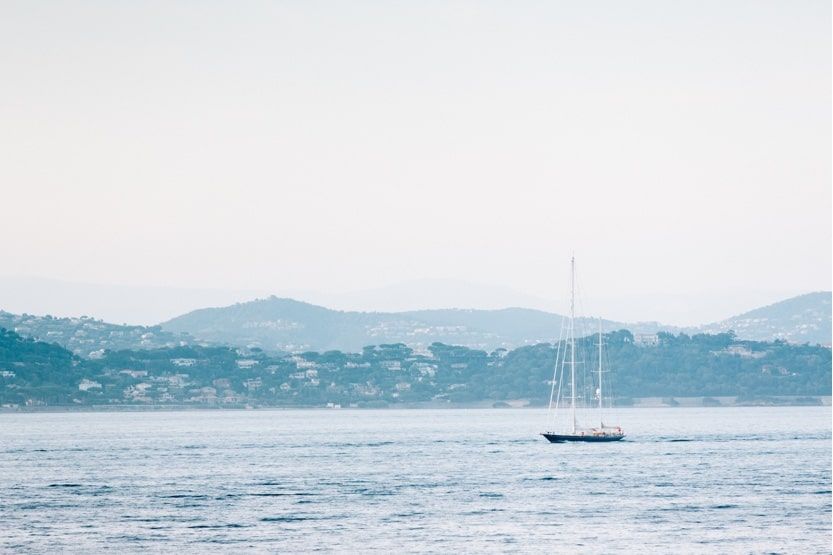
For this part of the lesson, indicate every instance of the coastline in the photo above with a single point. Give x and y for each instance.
(636, 403)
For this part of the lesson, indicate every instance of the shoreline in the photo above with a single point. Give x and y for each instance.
(637, 403)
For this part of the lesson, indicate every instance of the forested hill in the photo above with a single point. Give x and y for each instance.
(36, 373)
(277, 324)
(285, 325)
(33, 368)
(802, 319)
(88, 337)
(39, 357)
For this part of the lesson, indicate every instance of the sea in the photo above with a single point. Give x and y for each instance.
(685, 480)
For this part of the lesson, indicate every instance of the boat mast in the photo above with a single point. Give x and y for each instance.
(600, 369)
(573, 340)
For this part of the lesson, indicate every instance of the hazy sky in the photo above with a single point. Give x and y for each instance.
(681, 149)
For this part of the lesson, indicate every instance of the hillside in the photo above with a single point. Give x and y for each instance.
(288, 325)
(802, 319)
(89, 337)
(35, 373)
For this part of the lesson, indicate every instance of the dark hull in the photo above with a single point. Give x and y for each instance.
(558, 438)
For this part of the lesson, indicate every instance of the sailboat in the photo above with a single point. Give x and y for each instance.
(573, 431)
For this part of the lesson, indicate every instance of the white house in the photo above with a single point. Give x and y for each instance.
(87, 385)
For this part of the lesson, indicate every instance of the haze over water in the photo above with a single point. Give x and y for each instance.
(741, 480)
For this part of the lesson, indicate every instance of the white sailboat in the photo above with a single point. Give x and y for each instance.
(571, 430)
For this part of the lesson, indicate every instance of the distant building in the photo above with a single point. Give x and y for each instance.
(301, 362)
(183, 361)
(134, 373)
(138, 392)
(87, 385)
(646, 339)
(357, 365)
(232, 397)
(253, 384)
(743, 351)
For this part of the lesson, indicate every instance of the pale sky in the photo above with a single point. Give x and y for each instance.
(681, 149)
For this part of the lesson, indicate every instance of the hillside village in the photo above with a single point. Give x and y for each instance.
(35, 374)
(262, 354)
(90, 338)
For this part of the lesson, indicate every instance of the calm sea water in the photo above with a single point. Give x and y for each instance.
(745, 480)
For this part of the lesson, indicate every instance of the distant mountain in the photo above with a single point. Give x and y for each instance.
(279, 324)
(288, 325)
(802, 319)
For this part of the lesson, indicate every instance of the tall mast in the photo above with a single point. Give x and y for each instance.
(573, 340)
(600, 367)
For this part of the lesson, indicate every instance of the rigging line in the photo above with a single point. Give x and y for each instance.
(611, 336)
(573, 341)
(562, 349)
(579, 343)
(555, 373)
(612, 412)
(587, 379)
(563, 354)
